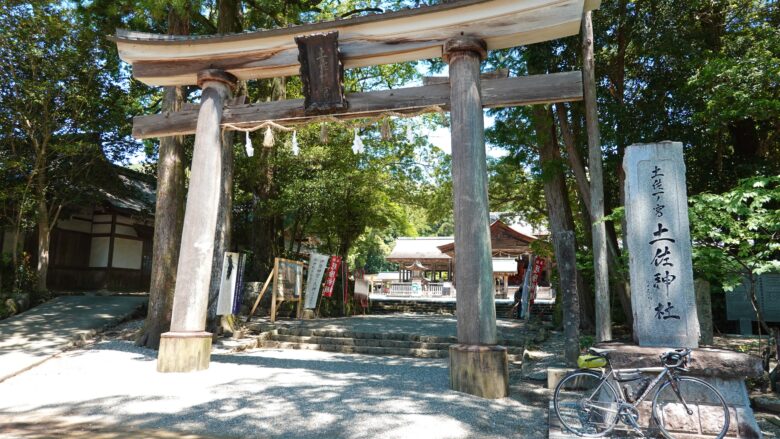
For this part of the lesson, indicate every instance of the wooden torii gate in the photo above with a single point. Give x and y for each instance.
(459, 31)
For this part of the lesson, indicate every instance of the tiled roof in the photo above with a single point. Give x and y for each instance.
(419, 248)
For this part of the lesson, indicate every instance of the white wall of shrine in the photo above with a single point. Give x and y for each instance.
(127, 248)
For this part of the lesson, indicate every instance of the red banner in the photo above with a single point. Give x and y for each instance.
(330, 276)
(535, 275)
(345, 280)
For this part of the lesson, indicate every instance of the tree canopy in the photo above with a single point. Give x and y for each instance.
(706, 73)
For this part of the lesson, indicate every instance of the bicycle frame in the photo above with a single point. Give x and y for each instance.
(595, 411)
(610, 374)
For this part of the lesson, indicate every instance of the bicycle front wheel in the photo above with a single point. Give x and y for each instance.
(586, 404)
(687, 405)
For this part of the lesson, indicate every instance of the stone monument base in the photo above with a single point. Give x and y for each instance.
(184, 351)
(725, 370)
(736, 427)
(481, 370)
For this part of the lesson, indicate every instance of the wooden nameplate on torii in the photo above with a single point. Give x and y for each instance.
(322, 73)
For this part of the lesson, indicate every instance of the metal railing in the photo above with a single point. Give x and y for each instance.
(405, 289)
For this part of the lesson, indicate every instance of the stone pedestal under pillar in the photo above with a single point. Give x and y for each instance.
(184, 351)
(479, 370)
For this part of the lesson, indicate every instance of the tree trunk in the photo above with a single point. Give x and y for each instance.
(704, 310)
(614, 273)
(776, 371)
(616, 74)
(43, 238)
(601, 270)
(565, 250)
(558, 207)
(168, 216)
(556, 196)
(756, 307)
(168, 220)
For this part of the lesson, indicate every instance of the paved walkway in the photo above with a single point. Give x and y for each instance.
(33, 337)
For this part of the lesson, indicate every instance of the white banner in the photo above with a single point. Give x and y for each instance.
(317, 265)
(227, 286)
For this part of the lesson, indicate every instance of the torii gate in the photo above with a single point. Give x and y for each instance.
(459, 31)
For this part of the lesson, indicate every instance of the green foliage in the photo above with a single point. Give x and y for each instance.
(736, 234)
(62, 113)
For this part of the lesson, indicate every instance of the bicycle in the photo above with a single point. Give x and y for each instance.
(589, 403)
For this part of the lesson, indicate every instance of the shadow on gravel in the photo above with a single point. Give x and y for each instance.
(337, 396)
(144, 354)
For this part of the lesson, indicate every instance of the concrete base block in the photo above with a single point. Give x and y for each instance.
(555, 375)
(184, 351)
(742, 425)
(308, 314)
(481, 370)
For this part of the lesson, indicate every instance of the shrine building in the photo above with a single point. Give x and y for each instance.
(426, 265)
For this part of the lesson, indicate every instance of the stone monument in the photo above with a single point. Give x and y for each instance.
(663, 297)
(659, 246)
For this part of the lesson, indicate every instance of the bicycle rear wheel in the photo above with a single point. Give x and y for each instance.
(708, 416)
(586, 405)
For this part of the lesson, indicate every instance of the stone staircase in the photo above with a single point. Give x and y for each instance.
(369, 343)
(393, 306)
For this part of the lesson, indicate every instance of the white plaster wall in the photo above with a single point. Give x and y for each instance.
(101, 218)
(101, 228)
(98, 251)
(124, 220)
(76, 225)
(127, 253)
(126, 230)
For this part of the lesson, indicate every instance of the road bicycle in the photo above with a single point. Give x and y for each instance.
(590, 402)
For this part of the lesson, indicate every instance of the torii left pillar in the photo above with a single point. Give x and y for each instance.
(477, 364)
(187, 347)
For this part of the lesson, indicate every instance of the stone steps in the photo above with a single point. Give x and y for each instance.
(344, 341)
(351, 349)
(393, 306)
(407, 345)
(383, 336)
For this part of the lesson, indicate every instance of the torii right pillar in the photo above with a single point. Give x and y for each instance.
(477, 365)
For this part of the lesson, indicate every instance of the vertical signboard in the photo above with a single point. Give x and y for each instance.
(317, 265)
(228, 282)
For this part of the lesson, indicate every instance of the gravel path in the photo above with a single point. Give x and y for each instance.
(264, 393)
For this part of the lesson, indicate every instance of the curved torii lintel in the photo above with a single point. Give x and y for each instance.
(399, 36)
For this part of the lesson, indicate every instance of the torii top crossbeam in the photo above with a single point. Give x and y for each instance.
(405, 35)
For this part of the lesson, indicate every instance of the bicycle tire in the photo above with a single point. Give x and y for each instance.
(670, 416)
(578, 411)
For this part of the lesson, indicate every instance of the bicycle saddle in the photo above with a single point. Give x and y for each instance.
(600, 352)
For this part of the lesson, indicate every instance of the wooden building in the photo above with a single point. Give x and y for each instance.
(107, 245)
(436, 256)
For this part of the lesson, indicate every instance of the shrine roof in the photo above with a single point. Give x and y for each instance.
(520, 241)
(419, 249)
